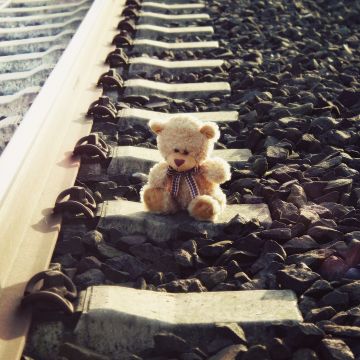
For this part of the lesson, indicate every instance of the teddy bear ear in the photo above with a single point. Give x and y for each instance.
(156, 126)
(210, 130)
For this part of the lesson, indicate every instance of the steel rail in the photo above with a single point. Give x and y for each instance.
(38, 164)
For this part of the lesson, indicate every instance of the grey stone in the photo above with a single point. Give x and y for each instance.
(257, 352)
(278, 234)
(307, 216)
(304, 354)
(231, 352)
(297, 278)
(130, 218)
(243, 257)
(7, 128)
(89, 262)
(18, 104)
(282, 210)
(190, 356)
(89, 278)
(127, 160)
(212, 276)
(183, 286)
(115, 275)
(45, 339)
(35, 18)
(66, 260)
(232, 331)
(336, 299)
(45, 9)
(138, 315)
(318, 314)
(343, 331)
(319, 288)
(183, 258)
(14, 47)
(127, 263)
(107, 251)
(11, 83)
(335, 349)
(278, 349)
(353, 289)
(300, 245)
(38, 30)
(126, 241)
(93, 238)
(324, 234)
(73, 351)
(297, 196)
(215, 249)
(147, 251)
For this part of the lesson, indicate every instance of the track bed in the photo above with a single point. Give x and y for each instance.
(281, 79)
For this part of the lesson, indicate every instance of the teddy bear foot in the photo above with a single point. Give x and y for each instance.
(204, 208)
(159, 201)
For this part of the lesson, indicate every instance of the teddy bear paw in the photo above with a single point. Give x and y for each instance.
(158, 200)
(154, 199)
(204, 208)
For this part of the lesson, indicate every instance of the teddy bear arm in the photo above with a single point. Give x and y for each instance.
(216, 170)
(158, 175)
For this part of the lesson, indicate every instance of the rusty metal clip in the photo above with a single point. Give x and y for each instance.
(128, 25)
(80, 202)
(103, 108)
(55, 293)
(111, 80)
(122, 39)
(92, 146)
(131, 12)
(117, 58)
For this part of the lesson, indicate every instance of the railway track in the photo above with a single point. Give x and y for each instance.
(33, 35)
(291, 138)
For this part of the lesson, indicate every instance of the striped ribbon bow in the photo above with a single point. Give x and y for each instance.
(189, 178)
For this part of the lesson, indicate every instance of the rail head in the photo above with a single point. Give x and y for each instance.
(38, 164)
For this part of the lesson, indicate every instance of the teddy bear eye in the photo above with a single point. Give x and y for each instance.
(186, 152)
(176, 150)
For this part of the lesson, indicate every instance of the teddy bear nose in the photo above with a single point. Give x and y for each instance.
(178, 162)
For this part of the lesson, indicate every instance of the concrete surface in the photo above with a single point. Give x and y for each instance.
(147, 31)
(183, 90)
(141, 116)
(152, 46)
(149, 65)
(122, 320)
(131, 218)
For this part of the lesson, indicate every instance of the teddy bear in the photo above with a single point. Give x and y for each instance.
(188, 178)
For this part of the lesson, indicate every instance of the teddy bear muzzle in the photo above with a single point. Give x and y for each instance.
(179, 162)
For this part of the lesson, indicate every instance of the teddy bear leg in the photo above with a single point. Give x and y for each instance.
(204, 208)
(158, 200)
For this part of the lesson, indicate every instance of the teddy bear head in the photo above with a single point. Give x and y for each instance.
(184, 141)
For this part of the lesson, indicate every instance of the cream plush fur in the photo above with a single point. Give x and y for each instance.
(185, 143)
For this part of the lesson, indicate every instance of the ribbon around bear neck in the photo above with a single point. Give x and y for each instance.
(189, 178)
